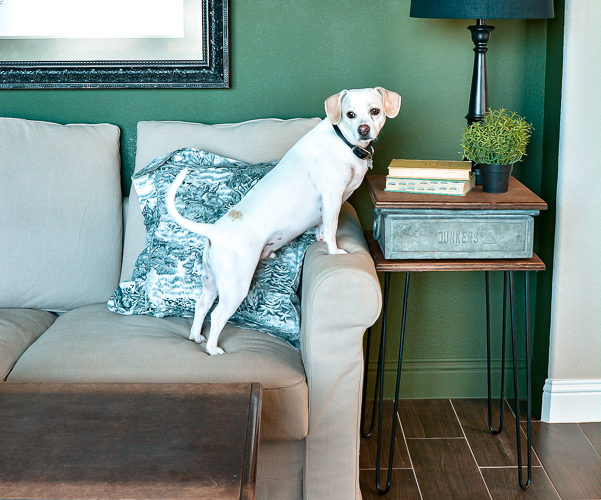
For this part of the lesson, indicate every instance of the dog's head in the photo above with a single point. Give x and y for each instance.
(361, 113)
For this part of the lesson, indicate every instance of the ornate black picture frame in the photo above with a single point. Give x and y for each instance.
(209, 70)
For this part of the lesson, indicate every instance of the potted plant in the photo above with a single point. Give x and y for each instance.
(495, 144)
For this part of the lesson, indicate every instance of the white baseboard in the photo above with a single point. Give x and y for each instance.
(571, 401)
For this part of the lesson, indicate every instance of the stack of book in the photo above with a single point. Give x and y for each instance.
(454, 178)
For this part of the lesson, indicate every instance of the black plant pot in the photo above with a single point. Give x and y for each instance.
(495, 178)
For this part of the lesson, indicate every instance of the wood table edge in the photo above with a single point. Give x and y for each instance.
(249, 469)
(121, 387)
(442, 202)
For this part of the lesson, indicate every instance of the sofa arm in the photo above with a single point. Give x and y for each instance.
(340, 299)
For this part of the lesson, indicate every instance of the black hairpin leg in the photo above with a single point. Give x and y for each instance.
(380, 386)
(367, 433)
(504, 329)
(380, 362)
(515, 380)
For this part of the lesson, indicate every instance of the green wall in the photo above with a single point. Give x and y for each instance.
(287, 56)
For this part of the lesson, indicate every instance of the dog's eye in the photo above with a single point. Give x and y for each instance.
(351, 115)
(374, 111)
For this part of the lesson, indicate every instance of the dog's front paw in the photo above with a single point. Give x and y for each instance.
(213, 350)
(337, 251)
(197, 337)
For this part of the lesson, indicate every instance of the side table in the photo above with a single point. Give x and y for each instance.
(519, 198)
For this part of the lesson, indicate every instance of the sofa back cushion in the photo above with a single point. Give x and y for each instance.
(255, 141)
(60, 214)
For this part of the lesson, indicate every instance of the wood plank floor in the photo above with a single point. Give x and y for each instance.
(444, 450)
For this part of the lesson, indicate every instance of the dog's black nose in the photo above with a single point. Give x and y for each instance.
(363, 130)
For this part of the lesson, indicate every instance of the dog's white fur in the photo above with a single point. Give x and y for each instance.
(305, 189)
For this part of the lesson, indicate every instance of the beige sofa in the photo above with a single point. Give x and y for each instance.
(64, 247)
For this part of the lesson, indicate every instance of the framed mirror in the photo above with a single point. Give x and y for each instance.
(114, 44)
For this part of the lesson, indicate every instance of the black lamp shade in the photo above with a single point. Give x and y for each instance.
(482, 9)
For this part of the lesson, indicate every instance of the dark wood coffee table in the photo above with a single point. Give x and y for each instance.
(135, 441)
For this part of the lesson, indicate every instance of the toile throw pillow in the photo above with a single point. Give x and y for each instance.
(166, 280)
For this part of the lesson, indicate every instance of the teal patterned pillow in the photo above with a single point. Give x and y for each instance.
(166, 280)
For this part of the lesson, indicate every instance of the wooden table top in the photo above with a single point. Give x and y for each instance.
(135, 441)
(391, 265)
(518, 197)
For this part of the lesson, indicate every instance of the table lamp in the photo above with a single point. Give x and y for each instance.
(481, 10)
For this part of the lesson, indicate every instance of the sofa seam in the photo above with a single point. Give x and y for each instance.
(291, 386)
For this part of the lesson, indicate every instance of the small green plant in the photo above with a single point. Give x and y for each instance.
(499, 139)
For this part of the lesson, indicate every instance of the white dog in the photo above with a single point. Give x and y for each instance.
(305, 189)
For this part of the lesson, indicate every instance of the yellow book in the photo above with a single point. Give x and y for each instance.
(431, 169)
(429, 186)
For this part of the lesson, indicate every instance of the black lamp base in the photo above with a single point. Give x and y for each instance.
(478, 96)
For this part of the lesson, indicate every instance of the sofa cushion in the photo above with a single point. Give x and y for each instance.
(255, 141)
(60, 214)
(92, 344)
(167, 277)
(19, 328)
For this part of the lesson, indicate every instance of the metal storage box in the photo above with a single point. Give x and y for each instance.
(454, 234)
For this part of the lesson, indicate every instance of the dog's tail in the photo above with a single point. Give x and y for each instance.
(195, 227)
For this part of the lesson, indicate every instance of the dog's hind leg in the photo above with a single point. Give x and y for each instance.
(230, 299)
(203, 304)
(233, 283)
(207, 297)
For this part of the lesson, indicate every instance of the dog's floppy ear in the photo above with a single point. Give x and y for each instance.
(333, 106)
(392, 102)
